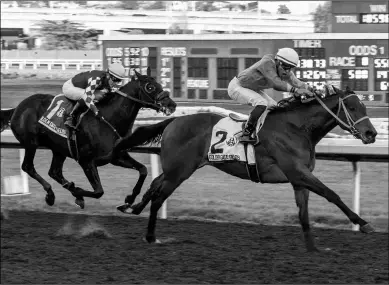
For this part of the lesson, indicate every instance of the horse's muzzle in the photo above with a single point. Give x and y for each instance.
(168, 106)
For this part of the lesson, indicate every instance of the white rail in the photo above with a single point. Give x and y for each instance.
(50, 63)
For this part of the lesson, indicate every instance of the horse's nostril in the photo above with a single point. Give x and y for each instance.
(371, 134)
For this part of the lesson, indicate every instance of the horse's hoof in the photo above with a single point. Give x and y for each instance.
(152, 240)
(367, 229)
(80, 203)
(50, 199)
(313, 249)
(136, 210)
(123, 208)
(129, 200)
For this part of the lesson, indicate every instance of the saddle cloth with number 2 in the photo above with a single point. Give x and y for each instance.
(225, 145)
(53, 118)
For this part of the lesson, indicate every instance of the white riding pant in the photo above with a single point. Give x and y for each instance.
(72, 92)
(247, 96)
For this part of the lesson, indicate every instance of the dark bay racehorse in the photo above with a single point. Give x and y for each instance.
(285, 153)
(95, 138)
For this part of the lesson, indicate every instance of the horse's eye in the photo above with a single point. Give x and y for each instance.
(150, 87)
(352, 109)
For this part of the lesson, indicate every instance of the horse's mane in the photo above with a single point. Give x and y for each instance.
(296, 104)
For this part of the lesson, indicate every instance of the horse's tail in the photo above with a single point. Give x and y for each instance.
(150, 134)
(5, 118)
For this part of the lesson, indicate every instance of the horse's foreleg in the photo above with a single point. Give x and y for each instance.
(55, 172)
(28, 167)
(125, 160)
(301, 177)
(152, 191)
(302, 196)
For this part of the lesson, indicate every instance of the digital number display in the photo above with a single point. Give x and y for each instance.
(311, 67)
(370, 97)
(312, 63)
(311, 52)
(381, 74)
(356, 79)
(311, 74)
(377, 18)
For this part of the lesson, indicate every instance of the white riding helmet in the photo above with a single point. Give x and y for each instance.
(288, 56)
(117, 70)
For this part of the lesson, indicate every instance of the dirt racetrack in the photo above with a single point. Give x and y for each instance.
(39, 247)
(52, 247)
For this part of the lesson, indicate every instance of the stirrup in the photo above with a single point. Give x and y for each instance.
(70, 125)
(247, 139)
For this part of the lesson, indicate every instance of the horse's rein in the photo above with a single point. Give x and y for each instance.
(351, 123)
(147, 104)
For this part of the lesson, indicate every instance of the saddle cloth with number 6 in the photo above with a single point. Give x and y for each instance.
(225, 145)
(53, 118)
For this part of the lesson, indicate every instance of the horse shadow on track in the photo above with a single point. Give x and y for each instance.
(66, 248)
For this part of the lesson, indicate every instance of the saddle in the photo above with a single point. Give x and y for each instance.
(54, 118)
(251, 168)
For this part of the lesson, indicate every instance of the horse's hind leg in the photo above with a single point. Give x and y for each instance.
(302, 196)
(125, 160)
(28, 167)
(55, 172)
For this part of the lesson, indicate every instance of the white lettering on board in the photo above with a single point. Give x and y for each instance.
(341, 61)
(347, 19)
(307, 43)
(363, 50)
(114, 51)
(197, 83)
(173, 51)
(377, 8)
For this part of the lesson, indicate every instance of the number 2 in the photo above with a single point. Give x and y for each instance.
(55, 109)
(223, 138)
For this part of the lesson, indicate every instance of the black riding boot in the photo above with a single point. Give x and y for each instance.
(251, 124)
(71, 119)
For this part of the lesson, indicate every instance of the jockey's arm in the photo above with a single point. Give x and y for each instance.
(93, 83)
(268, 70)
(295, 82)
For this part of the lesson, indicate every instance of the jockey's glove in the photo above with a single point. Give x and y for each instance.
(311, 88)
(94, 109)
(302, 92)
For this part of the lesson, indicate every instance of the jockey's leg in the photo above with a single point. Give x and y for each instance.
(75, 94)
(248, 97)
(251, 124)
(71, 119)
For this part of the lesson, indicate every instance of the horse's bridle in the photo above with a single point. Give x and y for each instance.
(156, 105)
(351, 123)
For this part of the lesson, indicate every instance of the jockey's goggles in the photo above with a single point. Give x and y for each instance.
(115, 79)
(285, 66)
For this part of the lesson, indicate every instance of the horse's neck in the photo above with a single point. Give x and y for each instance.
(317, 121)
(121, 113)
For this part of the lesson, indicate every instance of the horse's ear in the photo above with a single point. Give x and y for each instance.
(137, 74)
(148, 71)
(348, 90)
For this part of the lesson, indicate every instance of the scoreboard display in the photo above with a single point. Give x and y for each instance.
(200, 67)
(359, 16)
